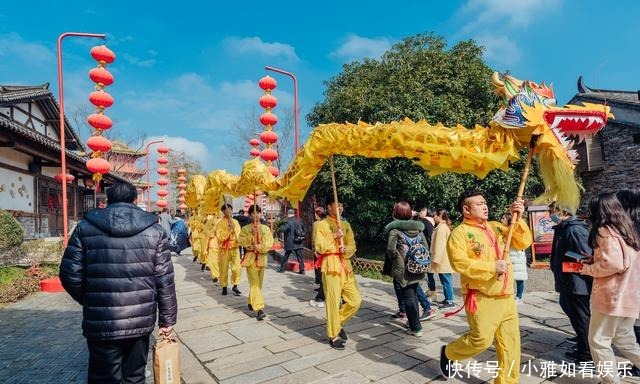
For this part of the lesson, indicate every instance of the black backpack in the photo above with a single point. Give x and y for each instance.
(298, 234)
(417, 255)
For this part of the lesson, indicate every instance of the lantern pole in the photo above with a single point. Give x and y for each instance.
(147, 170)
(63, 147)
(295, 112)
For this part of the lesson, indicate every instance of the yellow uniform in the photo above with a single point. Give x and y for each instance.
(202, 239)
(255, 260)
(211, 247)
(227, 231)
(337, 274)
(196, 228)
(473, 251)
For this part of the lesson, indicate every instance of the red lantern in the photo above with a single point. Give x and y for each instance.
(101, 99)
(255, 152)
(269, 137)
(162, 182)
(182, 179)
(163, 150)
(182, 193)
(254, 142)
(59, 178)
(181, 199)
(268, 118)
(162, 203)
(101, 76)
(268, 101)
(269, 155)
(162, 160)
(99, 121)
(162, 192)
(98, 165)
(182, 170)
(267, 83)
(103, 54)
(99, 144)
(182, 186)
(163, 171)
(273, 170)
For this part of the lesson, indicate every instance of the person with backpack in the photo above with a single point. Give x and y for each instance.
(475, 250)
(294, 234)
(179, 239)
(407, 249)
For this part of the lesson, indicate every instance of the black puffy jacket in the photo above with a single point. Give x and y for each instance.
(117, 265)
(570, 235)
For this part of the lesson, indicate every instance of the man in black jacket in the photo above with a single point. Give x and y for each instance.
(117, 265)
(293, 231)
(572, 234)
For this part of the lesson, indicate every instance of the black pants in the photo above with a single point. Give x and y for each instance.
(298, 253)
(410, 298)
(118, 361)
(577, 308)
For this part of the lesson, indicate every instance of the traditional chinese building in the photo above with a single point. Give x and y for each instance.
(30, 159)
(124, 161)
(611, 160)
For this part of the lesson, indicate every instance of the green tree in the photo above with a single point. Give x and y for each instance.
(418, 78)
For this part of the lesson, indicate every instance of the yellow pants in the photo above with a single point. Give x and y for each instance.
(229, 258)
(336, 287)
(202, 256)
(255, 275)
(213, 263)
(496, 315)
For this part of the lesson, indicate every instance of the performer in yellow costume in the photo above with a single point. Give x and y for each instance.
(227, 231)
(195, 224)
(475, 250)
(338, 279)
(211, 248)
(257, 240)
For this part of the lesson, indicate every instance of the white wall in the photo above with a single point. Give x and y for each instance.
(16, 191)
(17, 159)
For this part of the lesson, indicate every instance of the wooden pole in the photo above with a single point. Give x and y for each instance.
(335, 196)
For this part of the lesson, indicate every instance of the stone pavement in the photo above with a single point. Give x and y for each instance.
(41, 340)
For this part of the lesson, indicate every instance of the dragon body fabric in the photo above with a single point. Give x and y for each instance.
(529, 112)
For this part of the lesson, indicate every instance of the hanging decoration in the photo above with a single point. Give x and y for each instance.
(98, 120)
(182, 186)
(255, 152)
(163, 181)
(60, 177)
(268, 119)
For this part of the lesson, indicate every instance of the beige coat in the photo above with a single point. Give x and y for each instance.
(439, 257)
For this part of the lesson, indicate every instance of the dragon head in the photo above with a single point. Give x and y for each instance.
(532, 108)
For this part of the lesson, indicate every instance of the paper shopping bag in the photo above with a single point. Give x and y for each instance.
(166, 361)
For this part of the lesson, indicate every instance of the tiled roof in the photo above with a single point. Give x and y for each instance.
(609, 94)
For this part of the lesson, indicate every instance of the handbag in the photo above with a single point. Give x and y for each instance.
(166, 360)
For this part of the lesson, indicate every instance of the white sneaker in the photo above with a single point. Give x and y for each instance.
(316, 304)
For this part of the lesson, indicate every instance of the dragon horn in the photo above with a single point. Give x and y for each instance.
(495, 79)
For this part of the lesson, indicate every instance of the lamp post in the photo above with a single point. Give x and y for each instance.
(295, 111)
(147, 170)
(63, 147)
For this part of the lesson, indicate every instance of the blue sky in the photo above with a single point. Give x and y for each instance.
(187, 71)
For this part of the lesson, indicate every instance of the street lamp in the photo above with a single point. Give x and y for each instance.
(63, 146)
(295, 111)
(147, 170)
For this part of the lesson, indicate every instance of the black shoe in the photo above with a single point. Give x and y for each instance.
(446, 304)
(202, 267)
(195, 258)
(445, 363)
(343, 335)
(301, 272)
(236, 291)
(224, 291)
(572, 340)
(337, 344)
(317, 289)
(178, 253)
(578, 356)
(215, 279)
(250, 307)
(281, 270)
(261, 315)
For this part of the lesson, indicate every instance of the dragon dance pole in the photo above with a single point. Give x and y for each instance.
(335, 196)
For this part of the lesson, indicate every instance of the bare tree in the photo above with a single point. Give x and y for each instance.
(248, 127)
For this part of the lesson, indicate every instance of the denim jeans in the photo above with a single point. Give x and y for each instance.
(411, 305)
(431, 282)
(447, 286)
(422, 297)
(519, 288)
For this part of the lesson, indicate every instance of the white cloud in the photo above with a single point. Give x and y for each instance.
(520, 13)
(499, 49)
(144, 63)
(195, 149)
(355, 47)
(249, 45)
(12, 45)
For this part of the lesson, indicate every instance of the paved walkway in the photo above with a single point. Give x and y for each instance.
(41, 341)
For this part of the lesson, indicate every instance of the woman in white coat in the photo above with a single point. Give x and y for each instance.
(519, 262)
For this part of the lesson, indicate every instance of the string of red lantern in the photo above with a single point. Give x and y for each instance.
(162, 181)
(98, 120)
(268, 119)
(182, 179)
